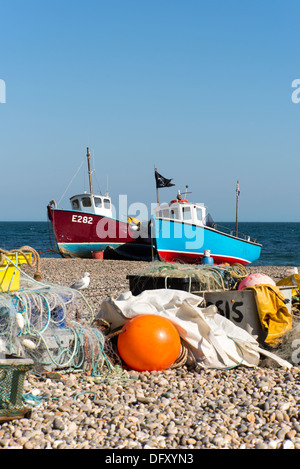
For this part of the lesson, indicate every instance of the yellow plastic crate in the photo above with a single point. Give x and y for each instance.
(9, 274)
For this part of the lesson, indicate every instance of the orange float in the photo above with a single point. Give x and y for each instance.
(149, 342)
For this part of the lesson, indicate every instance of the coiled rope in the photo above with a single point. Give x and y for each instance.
(43, 310)
(23, 251)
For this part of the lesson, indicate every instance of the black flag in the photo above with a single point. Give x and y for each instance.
(161, 181)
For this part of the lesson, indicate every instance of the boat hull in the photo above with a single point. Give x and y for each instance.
(181, 242)
(80, 234)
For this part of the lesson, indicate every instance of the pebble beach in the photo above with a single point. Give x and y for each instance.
(177, 409)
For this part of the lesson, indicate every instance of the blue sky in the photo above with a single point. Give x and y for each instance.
(201, 89)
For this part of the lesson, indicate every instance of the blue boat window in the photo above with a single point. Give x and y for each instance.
(174, 214)
(86, 202)
(106, 203)
(75, 204)
(199, 213)
(186, 213)
(98, 202)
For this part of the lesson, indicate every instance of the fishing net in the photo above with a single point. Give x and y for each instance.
(39, 320)
(197, 277)
(12, 374)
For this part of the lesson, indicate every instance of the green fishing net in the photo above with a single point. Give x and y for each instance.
(199, 277)
(39, 321)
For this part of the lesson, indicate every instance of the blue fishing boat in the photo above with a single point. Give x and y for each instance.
(184, 232)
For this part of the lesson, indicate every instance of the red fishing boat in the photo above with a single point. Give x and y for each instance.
(89, 229)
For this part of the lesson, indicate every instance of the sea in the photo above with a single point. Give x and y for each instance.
(280, 241)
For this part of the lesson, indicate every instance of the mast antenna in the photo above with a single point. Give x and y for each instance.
(237, 207)
(89, 169)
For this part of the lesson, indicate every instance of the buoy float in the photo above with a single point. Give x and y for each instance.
(149, 343)
(179, 201)
(255, 279)
(29, 344)
(207, 259)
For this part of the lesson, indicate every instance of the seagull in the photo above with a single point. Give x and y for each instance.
(82, 283)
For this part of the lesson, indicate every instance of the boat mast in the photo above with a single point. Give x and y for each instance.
(89, 169)
(237, 207)
(157, 196)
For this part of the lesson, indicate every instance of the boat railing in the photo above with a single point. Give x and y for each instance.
(222, 229)
(232, 232)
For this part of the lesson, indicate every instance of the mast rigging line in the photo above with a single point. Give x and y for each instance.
(71, 181)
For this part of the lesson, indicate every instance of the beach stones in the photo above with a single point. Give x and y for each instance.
(170, 409)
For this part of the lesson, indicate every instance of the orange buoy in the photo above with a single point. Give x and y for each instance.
(149, 342)
(179, 201)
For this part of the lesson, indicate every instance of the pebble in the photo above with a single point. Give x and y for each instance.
(162, 422)
(181, 408)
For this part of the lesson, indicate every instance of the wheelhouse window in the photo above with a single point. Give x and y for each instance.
(174, 214)
(106, 203)
(199, 213)
(86, 202)
(186, 213)
(98, 202)
(75, 204)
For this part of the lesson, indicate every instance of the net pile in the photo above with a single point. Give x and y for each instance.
(205, 277)
(39, 321)
(12, 374)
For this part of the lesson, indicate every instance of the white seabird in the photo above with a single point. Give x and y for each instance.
(82, 283)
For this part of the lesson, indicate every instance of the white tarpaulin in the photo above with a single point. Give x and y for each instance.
(215, 341)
